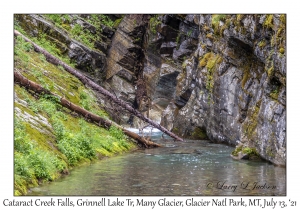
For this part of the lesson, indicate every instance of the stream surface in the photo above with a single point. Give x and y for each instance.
(179, 168)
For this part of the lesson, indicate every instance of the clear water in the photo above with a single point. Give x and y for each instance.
(179, 168)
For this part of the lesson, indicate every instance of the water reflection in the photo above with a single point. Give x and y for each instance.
(188, 168)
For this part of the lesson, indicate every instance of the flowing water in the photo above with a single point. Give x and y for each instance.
(179, 168)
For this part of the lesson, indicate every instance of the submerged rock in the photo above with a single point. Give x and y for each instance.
(197, 151)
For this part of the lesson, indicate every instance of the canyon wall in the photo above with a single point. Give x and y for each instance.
(217, 77)
(231, 85)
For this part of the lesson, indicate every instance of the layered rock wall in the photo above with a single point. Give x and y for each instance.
(124, 72)
(232, 87)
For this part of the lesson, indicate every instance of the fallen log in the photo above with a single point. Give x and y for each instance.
(23, 81)
(54, 60)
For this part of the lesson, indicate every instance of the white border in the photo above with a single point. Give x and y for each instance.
(8, 8)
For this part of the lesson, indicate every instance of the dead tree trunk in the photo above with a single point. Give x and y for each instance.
(52, 59)
(23, 81)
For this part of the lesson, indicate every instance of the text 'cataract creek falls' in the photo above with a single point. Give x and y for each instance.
(150, 104)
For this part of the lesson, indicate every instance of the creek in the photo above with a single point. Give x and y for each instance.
(179, 168)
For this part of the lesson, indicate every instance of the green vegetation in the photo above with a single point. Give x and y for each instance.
(61, 21)
(199, 133)
(225, 26)
(104, 19)
(35, 160)
(281, 50)
(236, 151)
(101, 19)
(76, 140)
(278, 41)
(270, 71)
(117, 22)
(239, 17)
(184, 64)
(283, 19)
(154, 22)
(86, 35)
(49, 139)
(215, 22)
(51, 48)
(250, 125)
(237, 22)
(268, 23)
(175, 130)
(262, 43)
(209, 60)
(278, 38)
(279, 35)
(274, 94)
(251, 152)
(203, 60)
(246, 75)
(43, 41)
(211, 63)
(249, 66)
(178, 40)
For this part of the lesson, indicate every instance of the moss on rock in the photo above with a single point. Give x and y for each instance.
(245, 152)
(199, 133)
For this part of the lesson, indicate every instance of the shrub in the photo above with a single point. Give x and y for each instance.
(41, 162)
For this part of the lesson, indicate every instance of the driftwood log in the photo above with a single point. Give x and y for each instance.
(28, 84)
(54, 60)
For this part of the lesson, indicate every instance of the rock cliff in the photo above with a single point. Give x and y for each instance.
(232, 81)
